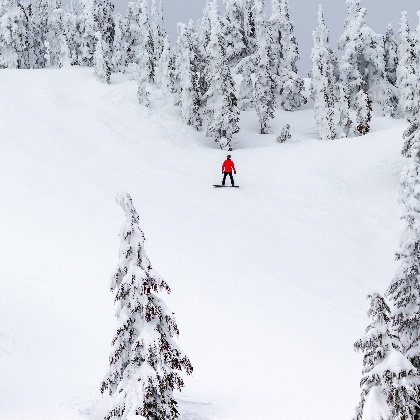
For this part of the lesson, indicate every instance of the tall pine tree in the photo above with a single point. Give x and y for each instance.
(285, 55)
(407, 79)
(323, 80)
(264, 95)
(404, 291)
(221, 103)
(188, 89)
(234, 30)
(391, 55)
(144, 359)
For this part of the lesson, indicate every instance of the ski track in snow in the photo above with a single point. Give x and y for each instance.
(268, 280)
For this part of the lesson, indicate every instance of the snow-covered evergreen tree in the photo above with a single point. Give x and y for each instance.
(221, 103)
(163, 70)
(250, 34)
(145, 59)
(246, 68)
(406, 70)
(13, 35)
(373, 68)
(363, 105)
(290, 90)
(345, 123)
(71, 25)
(375, 345)
(363, 63)
(234, 30)
(102, 70)
(188, 95)
(264, 95)
(202, 38)
(404, 291)
(389, 383)
(172, 72)
(351, 43)
(157, 29)
(144, 359)
(37, 13)
(58, 50)
(323, 80)
(285, 55)
(204, 28)
(284, 134)
(142, 79)
(133, 31)
(120, 45)
(88, 28)
(391, 55)
(96, 16)
(145, 64)
(285, 47)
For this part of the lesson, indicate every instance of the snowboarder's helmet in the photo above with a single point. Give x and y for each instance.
(228, 156)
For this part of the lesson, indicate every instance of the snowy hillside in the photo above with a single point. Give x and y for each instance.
(268, 280)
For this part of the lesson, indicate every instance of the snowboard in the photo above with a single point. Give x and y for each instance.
(226, 186)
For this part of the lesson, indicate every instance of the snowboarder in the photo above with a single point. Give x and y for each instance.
(227, 168)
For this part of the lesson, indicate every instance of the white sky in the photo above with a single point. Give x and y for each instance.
(304, 16)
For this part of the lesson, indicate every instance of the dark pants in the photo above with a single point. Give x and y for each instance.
(225, 174)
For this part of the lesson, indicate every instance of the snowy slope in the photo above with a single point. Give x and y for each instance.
(269, 280)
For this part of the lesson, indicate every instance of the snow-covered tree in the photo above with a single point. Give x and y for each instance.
(120, 45)
(72, 33)
(58, 50)
(102, 70)
(351, 43)
(188, 95)
(376, 345)
(37, 13)
(157, 29)
(145, 64)
(345, 123)
(391, 55)
(284, 45)
(406, 70)
(290, 89)
(363, 105)
(284, 134)
(145, 59)
(13, 35)
(163, 70)
(390, 382)
(234, 30)
(285, 55)
(221, 103)
(246, 67)
(88, 28)
(142, 85)
(96, 16)
(264, 95)
(404, 291)
(204, 28)
(250, 34)
(172, 72)
(363, 64)
(373, 69)
(133, 30)
(145, 359)
(323, 80)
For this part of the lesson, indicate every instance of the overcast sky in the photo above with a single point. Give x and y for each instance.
(304, 16)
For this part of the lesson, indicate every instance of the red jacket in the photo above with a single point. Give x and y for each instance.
(228, 165)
